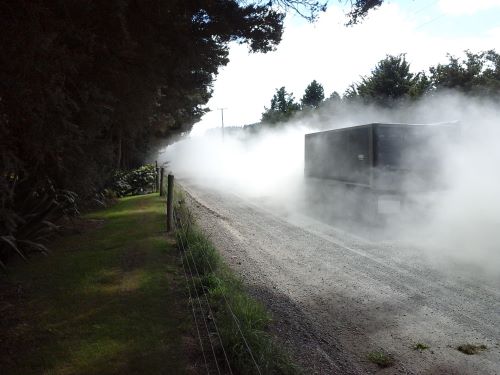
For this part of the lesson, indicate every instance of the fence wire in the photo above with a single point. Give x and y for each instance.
(185, 245)
(181, 235)
(194, 316)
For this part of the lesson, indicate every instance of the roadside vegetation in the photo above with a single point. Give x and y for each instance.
(420, 346)
(381, 358)
(30, 223)
(471, 349)
(240, 324)
(108, 300)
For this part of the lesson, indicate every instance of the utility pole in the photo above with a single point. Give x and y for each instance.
(222, 119)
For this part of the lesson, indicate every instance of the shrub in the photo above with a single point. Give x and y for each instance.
(28, 216)
(137, 181)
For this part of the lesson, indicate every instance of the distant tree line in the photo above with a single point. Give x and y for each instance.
(392, 83)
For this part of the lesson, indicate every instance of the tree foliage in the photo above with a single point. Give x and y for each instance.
(89, 86)
(478, 74)
(283, 107)
(313, 95)
(108, 77)
(360, 9)
(335, 97)
(391, 81)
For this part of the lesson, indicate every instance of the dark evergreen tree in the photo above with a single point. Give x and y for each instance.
(283, 107)
(391, 81)
(478, 74)
(88, 86)
(313, 96)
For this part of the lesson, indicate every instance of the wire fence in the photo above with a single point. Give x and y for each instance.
(204, 318)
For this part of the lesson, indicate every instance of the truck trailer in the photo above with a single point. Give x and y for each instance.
(378, 165)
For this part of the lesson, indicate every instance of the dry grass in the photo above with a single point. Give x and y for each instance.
(471, 349)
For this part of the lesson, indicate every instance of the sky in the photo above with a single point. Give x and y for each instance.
(337, 56)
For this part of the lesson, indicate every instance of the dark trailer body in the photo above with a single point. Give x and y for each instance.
(382, 159)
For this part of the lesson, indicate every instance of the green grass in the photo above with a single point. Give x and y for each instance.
(109, 300)
(420, 346)
(223, 288)
(381, 358)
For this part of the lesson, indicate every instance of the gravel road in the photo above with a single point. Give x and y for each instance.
(336, 296)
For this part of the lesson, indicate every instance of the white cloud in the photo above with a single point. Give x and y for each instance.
(466, 7)
(332, 54)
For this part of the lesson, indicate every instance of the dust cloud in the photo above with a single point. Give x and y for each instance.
(458, 223)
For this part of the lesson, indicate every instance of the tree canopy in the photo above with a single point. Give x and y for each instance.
(313, 95)
(478, 73)
(283, 107)
(390, 81)
(110, 77)
(89, 86)
(360, 9)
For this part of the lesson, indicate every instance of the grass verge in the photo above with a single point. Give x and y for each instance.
(108, 300)
(226, 297)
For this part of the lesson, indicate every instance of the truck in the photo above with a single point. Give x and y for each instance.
(376, 168)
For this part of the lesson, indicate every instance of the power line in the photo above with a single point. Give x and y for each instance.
(413, 18)
(431, 21)
(426, 7)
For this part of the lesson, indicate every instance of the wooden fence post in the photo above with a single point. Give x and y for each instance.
(162, 189)
(170, 202)
(157, 177)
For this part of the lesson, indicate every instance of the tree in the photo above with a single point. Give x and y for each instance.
(309, 9)
(124, 73)
(360, 9)
(351, 93)
(335, 97)
(313, 96)
(88, 86)
(283, 106)
(491, 73)
(478, 74)
(422, 85)
(462, 75)
(390, 82)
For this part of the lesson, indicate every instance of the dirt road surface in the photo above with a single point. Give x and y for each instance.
(336, 296)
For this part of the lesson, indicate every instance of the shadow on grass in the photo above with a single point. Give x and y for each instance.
(107, 301)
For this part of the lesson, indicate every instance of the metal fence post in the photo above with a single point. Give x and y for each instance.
(170, 202)
(162, 189)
